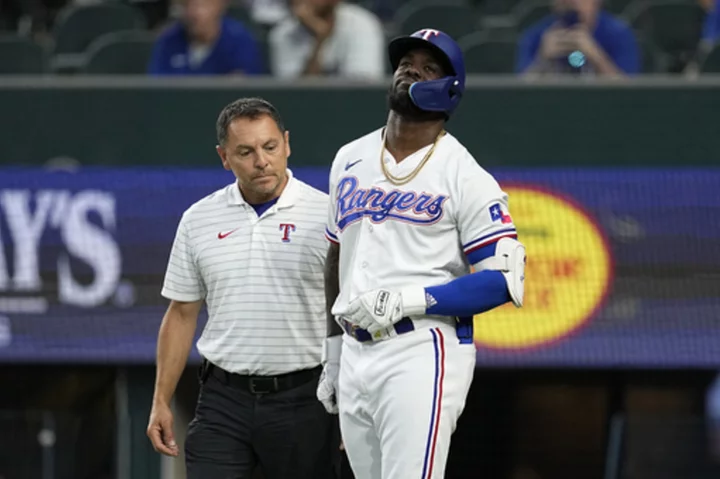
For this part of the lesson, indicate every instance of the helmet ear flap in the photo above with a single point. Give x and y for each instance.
(437, 95)
(455, 91)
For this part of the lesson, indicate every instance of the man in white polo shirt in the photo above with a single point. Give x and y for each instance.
(328, 38)
(254, 252)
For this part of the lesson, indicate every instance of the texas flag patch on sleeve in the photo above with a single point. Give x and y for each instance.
(497, 214)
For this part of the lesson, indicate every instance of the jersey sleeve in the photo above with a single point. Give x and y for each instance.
(182, 277)
(331, 232)
(483, 214)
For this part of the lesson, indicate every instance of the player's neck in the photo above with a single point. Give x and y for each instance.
(404, 137)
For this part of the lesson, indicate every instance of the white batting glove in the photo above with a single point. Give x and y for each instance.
(328, 390)
(380, 308)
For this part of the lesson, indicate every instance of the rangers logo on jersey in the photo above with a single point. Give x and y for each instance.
(354, 203)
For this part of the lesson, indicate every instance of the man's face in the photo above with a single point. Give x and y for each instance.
(200, 16)
(321, 7)
(256, 151)
(416, 65)
(587, 9)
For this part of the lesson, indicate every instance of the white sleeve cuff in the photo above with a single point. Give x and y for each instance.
(413, 301)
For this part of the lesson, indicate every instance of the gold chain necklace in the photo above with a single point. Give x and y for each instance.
(398, 181)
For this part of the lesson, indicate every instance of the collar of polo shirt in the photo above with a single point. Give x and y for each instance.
(287, 197)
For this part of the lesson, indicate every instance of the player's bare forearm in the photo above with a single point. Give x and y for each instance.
(332, 287)
(174, 343)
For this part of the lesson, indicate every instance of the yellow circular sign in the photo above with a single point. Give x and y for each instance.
(567, 276)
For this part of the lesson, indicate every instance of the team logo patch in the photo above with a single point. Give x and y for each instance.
(429, 32)
(286, 228)
(497, 214)
(354, 203)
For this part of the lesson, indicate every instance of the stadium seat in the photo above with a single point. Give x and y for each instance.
(487, 55)
(652, 59)
(77, 26)
(616, 7)
(711, 61)
(497, 7)
(529, 12)
(673, 25)
(20, 56)
(120, 53)
(454, 17)
(239, 13)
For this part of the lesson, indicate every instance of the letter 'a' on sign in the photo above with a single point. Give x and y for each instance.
(30, 215)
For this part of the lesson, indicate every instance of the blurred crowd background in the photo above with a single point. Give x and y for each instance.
(497, 36)
(633, 394)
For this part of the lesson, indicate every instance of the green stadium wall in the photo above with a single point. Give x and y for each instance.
(501, 123)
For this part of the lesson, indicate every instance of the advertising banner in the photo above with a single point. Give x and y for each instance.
(623, 265)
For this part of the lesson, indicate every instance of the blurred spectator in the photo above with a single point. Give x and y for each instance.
(268, 12)
(711, 28)
(710, 34)
(579, 37)
(206, 42)
(328, 37)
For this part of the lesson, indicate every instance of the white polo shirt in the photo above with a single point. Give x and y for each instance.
(421, 233)
(261, 278)
(355, 48)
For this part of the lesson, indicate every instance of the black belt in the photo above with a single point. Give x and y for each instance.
(263, 384)
(405, 325)
(463, 326)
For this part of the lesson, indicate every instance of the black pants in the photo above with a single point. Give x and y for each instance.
(288, 433)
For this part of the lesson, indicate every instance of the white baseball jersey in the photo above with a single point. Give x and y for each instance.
(400, 397)
(419, 233)
(261, 278)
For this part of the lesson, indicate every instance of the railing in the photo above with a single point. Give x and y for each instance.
(268, 82)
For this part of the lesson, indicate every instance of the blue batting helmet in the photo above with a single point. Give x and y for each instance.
(434, 95)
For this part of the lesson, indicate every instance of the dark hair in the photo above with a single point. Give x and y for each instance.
(252, 108)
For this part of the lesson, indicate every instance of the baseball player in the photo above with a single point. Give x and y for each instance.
(410, 212)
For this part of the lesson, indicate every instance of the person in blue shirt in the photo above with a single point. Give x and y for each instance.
(711, 27)
(581, 38)
(206, 42)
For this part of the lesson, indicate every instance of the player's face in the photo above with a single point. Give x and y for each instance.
(256, 151)
(416, 65)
